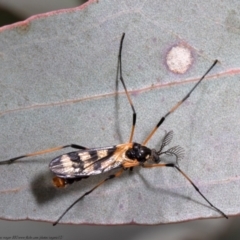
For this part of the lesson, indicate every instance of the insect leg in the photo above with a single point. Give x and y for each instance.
(11, 160)
(185, 175)
(178, 104)
(125, 88)
(117, 174)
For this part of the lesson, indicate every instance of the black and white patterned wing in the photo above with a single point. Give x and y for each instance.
(87, 162)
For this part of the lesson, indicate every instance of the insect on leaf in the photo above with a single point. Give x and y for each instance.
(58, 86)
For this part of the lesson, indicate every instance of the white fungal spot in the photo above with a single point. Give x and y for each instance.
(179, 59)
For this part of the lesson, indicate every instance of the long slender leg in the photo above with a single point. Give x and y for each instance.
(117, 174)
(125, 88)
(178, 104)
(11, 160)
(185, 175)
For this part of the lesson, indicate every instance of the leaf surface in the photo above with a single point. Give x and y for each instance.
(58, 86)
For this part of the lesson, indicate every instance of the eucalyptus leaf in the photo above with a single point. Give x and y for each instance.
(58, 86)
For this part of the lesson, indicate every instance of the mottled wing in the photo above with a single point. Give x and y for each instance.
(88, 162)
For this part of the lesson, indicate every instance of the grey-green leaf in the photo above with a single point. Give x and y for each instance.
(58, 86)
